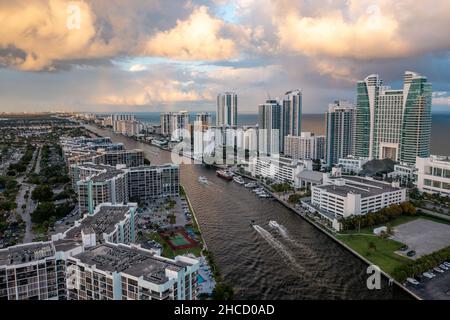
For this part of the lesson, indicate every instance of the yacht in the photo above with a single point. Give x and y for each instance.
(238, 179)
(202, 179)
(225, 174)
(251, 185)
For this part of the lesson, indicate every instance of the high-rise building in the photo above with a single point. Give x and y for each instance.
(270, 127)
(204, 117)
(292, 113)
(226, 114)
(339, 119)
(393, 123)
(174, 124)
(306, 146)
(118, 118)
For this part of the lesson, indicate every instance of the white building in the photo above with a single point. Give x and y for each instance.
(120, 272)
(307, 146)
(403, 173)
(174, 124)
(226, 112)
(118, 119)
(351, 165)
(433, 175)
(280, 170)
(342, 197)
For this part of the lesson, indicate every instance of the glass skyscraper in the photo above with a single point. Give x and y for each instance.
(226, 114)
(393, 124)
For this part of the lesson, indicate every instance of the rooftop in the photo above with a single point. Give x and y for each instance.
(130, 260)
(102, 221)
(358, 185)
(26, 253)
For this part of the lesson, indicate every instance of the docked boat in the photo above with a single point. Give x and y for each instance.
(238, 179)
(202, 179)
(251, 185)
(225, 174)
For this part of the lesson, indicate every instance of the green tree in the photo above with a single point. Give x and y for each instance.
(223, 291)
(42, 193)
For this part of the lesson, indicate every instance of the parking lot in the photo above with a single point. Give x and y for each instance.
(437, 288)
(423, 236)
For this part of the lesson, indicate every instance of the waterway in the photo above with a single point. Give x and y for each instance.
(261, 262)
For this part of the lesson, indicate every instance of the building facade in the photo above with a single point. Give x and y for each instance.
(306, 146)
(174, 124)
(342, 197)
(393, 124)
(227, 109)
(292, 113)
(433, 175)
(339, 123)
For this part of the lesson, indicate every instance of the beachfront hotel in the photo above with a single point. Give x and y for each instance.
(393, 123)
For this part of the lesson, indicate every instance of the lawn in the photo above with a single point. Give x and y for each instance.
(382, 255)
(398, 221)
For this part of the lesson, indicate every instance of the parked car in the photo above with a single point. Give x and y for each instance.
(412, 281)
(438, 270)
(443, 267)
(404, 248)
(428, 275)
(411, 253)
(447, 264)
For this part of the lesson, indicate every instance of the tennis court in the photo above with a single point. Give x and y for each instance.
(179, 239)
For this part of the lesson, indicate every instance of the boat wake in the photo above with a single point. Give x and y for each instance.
(278, 246)
(281, 229)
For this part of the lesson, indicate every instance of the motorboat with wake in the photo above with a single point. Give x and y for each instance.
(202, 179)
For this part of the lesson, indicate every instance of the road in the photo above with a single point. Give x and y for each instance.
(30, 204)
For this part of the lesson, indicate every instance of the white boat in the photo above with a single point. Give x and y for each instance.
(273, 224)
(238, 179)
(202, 179)
(251, 185)
(225, 174)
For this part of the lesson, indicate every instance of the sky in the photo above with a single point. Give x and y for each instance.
(168, 55)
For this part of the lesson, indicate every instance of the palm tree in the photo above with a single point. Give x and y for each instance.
(372, 246)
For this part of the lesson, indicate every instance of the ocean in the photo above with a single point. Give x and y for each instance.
(316, 123)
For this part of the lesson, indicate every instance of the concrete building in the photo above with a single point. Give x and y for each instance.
(91, 262)
(119, 272)
(393, 124)
(339, 120)
(292, 113)
(174, 124)
(280, 170)
(118, 119)
(128, 158)
(344, 196)
(151, 182)
(35, 271)
(351, 165)
(306, 146)
(403, 173)
(271, 136)
(433, 175)
(105, 184)
(108, 223)
(227, 109)
(205, 118)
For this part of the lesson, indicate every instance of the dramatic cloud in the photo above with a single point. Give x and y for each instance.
(139, 55)
(363, 29)
(197, 38)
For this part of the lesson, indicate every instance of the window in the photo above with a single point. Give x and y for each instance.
(427, 182)
(437, 172)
